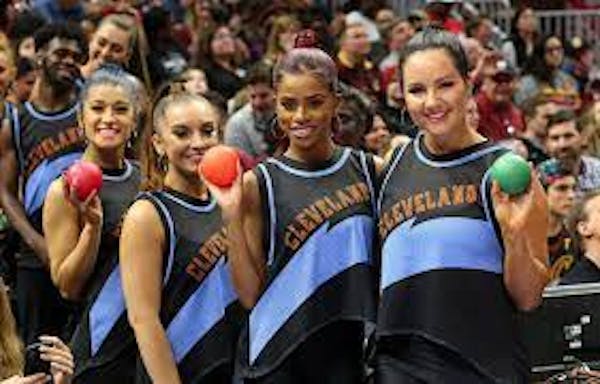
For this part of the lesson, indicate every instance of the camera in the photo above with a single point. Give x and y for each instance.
(33, 362)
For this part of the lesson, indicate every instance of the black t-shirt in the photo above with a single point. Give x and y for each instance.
(585, 271)
(223, 81)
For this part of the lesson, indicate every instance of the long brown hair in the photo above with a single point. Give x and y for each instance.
(11, 348)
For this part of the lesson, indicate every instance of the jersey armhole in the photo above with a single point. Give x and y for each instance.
(267, 197)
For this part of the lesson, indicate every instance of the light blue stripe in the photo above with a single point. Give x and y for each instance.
(453, 163)
(446, 242)
(106, 310)
(202, 311)
(39, 181)
(310, 174)
(326, 254)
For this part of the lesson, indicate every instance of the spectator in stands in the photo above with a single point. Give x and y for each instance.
(584, 223)
(564, 141)
(354, 119)
(22, 31)
(281, 37)
(217, 57)
(499, 117)
(580, 62)
(166, 58)
(439, 13)
(397, 36)
(560, 184)
(352, 62)
(536, 112)
(481, 29)
(194, 81)
(519, 48)
(7, 70)
(60, 11)
(546, 73)
(589, 122)
(23, 82)
(248, 128)
(112, 42)
(377, 139)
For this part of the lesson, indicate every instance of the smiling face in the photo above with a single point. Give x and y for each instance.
(188, 129)
(108, 117)
(61, 59)
(435, 93)
(306, 107)
(110, 44)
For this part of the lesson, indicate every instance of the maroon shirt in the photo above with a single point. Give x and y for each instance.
(495, 120)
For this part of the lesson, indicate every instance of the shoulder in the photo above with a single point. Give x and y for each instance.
(240, 117)
(142, 215)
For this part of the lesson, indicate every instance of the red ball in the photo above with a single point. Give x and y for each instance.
(219, 165)
(84, 178)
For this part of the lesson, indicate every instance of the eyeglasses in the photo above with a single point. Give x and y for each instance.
(554, 49)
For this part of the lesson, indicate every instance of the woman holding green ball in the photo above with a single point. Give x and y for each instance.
(459, 255)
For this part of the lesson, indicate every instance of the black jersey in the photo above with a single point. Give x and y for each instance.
(442, 258)
(198, 299)
(319, 232)
(46, 145)
(103, 333)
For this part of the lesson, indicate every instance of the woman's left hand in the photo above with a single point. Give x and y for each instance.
(60, 357)
(526, 214)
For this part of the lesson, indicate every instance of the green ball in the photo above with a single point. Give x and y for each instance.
(512, 173)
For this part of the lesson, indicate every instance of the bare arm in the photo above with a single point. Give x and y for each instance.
(141, 260)
(73, 235)
(241, 209)
(9, 175)
(524, 224)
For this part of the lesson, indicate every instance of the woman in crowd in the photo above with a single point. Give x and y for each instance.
(519, 48)
(82, 236)
(281, 38)
(12, 359)
(217, 57)
(300, 233)
(458, 255)
(180, 301)
(546, 75)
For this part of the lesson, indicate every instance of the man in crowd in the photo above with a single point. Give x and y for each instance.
(564, 141)
(499, 117)
(536, 112)
(560, 184)
(354, 67)
(37, 144)
(249, 128)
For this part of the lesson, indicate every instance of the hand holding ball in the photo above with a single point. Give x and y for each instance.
(512, 173)
(219, 166)
(83, 178)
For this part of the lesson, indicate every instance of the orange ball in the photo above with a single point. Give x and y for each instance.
(219, 165)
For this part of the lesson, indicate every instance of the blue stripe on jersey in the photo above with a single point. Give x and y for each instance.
(203, 309)
(324, 255)
(39, 181)
(445, 242)
(106, 310)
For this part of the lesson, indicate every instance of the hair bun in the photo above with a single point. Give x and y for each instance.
(306, 38)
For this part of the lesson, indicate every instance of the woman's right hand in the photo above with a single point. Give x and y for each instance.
(229, 198)
(90, 209)
(38, 378)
